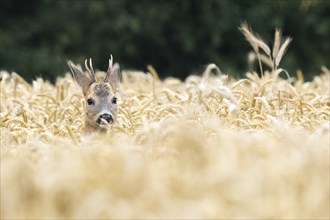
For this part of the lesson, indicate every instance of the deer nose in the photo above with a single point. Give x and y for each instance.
(107, 117)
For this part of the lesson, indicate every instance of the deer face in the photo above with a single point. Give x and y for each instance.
(101, 104)
(101, 100)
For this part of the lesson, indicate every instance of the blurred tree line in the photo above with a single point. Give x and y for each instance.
(176, 37)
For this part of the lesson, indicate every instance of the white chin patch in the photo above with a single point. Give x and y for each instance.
(103, 125)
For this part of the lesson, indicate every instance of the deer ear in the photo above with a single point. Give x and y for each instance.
(81, 78)
(114, 77)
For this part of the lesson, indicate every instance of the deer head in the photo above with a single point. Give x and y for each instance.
(101, 101)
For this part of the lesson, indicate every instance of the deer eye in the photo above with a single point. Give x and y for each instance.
(114, 100)
(90, 101)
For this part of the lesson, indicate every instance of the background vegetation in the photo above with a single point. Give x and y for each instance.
(176, 37)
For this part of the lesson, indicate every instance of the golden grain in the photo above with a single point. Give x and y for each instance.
(208, 147)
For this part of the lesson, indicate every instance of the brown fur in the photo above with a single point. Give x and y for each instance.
(101, 89)
(100, 93)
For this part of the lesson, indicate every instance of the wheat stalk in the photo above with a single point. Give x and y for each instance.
(209, 137)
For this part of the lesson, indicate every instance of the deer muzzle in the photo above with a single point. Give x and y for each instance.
(107, 117)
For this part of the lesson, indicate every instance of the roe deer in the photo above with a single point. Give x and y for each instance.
(101, 102)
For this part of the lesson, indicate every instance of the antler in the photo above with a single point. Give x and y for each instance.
(106, 78)
(90, 69)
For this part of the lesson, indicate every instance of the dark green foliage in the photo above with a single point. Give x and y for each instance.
(176, 37)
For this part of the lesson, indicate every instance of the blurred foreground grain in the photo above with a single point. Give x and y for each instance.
(208, 147)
